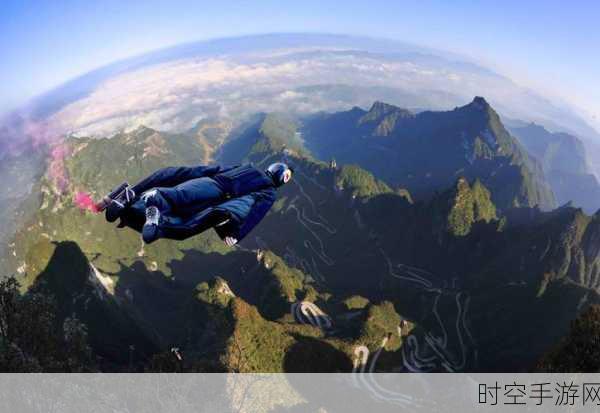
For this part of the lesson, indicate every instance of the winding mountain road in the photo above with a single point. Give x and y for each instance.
(305, 312)
(447, 345)
(366, 379)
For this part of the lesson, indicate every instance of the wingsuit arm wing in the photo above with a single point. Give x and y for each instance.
(177, 229)
(248, 211)
(174, 175)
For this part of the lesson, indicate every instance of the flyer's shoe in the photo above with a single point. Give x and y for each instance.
(119, 203)
(150, 197)
(151, 231)
(106, 200)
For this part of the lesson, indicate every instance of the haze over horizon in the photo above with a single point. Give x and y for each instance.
(49, 44)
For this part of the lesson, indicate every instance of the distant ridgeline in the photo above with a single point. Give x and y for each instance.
(425, 236)
(565, 164)
(428, 151)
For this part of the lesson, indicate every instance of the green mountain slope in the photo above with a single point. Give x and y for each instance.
(452, 265)
(260, 137)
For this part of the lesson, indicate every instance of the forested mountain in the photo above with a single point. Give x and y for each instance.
(432, 252)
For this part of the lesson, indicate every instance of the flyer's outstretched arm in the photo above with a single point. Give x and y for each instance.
(256, 204)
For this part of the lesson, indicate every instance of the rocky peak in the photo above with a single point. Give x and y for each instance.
(385, 117)
(480, 103)
(216, 291)
(464, 205)
(380, 109)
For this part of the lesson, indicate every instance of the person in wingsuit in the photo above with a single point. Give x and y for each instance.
(180, 202)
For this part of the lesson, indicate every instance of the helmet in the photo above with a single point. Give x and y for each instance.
(280, 173)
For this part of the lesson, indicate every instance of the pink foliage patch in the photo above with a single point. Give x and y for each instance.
(57, 169)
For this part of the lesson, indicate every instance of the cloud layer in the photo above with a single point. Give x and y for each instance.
(175, 95)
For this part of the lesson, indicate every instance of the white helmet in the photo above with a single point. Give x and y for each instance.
(280, 173)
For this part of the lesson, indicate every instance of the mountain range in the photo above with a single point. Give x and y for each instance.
(428, 151)
(431, 239)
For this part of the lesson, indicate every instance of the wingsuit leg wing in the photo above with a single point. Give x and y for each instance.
(179, 229)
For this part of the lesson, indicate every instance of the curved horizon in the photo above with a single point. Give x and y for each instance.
(49, 102)
(159, 55)
(533, 44)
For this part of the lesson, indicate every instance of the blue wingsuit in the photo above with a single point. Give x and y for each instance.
(193, 199)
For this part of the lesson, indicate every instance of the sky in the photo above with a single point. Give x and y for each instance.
(549, 45)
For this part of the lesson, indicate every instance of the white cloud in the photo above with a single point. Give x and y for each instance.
(172, 96)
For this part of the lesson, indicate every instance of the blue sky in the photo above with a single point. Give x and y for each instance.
(549, 45)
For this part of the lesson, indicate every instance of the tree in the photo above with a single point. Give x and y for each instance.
(579, 350)
(31, 337)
